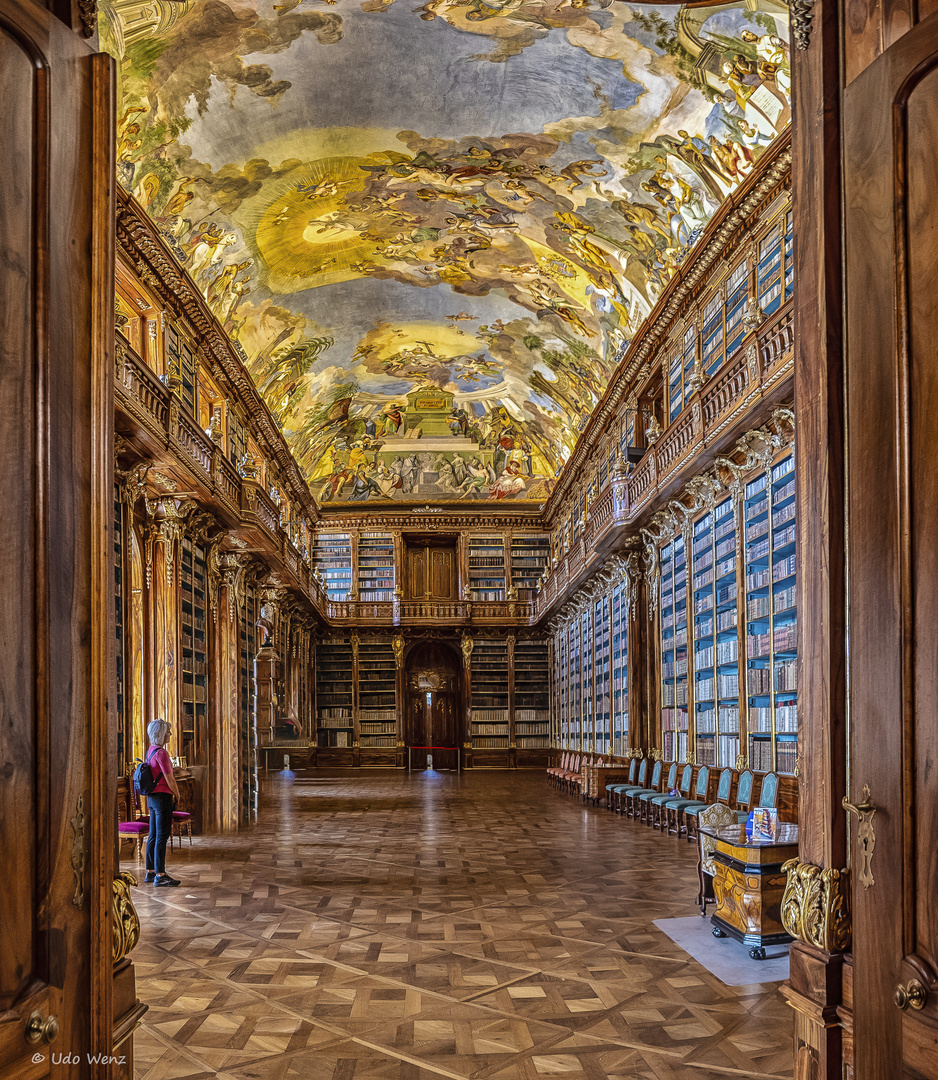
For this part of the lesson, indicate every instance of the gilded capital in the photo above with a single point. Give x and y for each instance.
(816, 905)
(126, 923)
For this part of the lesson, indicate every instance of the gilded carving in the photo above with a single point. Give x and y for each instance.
(801, 14)
(125, 921)
(77, 822)
(398, 644)
(816, 905)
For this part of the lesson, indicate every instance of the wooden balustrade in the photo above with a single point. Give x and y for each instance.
(195, 444)
(759, 364)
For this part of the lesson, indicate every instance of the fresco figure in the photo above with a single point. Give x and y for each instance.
(773, 63)
(393, 418)
(509, 484)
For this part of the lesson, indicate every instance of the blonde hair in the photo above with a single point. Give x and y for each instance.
(158, 732)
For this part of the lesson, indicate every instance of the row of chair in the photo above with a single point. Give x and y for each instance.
(646, 793)
(652, 800)
(569, 776)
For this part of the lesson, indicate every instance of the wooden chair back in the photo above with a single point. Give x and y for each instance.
(642, 771)
(656, 776)
(687, 775)
(672, 777)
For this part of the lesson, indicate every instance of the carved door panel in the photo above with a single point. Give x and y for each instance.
(57, 796)
(891, 161)
(442, 573)
(417, 584)
(431, 572)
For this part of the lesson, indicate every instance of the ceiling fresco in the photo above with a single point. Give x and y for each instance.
(432, 231)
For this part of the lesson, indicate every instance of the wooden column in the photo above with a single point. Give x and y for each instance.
(266, 677)
(163, 613)
(814, 987)
(225, 715)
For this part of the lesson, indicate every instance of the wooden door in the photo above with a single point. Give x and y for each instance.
(432, 682)
(57, 738)
(891, 237)
(431, 572)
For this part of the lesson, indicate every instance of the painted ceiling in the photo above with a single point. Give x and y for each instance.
(432, 231)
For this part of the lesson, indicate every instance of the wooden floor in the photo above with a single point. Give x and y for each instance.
(378, 926)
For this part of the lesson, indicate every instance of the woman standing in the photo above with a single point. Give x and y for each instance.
(160, 802)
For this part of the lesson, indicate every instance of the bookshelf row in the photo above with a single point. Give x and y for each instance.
(728, 629)
(590, 681)
(356, 694)
(364, 567)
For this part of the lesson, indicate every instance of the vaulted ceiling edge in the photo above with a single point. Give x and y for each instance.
(431, 235)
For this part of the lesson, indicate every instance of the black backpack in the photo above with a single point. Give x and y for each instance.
(144, 780)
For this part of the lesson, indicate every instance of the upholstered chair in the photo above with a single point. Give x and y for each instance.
(681, 811)
(714, 817)
(646, 800)
(744, 794)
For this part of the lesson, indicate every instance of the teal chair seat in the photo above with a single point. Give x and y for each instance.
(659, 798)
(624, 789)
(694, 808)
(682, 804)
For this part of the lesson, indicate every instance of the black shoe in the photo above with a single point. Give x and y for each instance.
(165, 880)
(148, 877)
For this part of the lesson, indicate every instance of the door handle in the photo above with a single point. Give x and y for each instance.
(913, 994)
(39, 1030)
(865, 835)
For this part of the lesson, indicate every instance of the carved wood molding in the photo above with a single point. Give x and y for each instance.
(141, 245)
(446, 521)
(726, 229)
(752, 450)
(816, 905)
(125, 923)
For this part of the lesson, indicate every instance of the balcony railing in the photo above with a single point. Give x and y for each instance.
(762, 362)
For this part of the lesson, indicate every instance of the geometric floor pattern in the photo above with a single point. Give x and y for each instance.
(382, 926)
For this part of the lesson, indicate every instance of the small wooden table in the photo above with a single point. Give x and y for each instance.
(749, 885)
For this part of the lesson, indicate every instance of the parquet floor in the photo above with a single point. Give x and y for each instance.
(379, 926)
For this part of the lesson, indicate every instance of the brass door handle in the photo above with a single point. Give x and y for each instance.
(865, 835)
(914, 994)
(39, 1030)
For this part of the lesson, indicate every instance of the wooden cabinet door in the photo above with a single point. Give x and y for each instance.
(442, 573)
(891, 238)
(416, 573)
(57, 796)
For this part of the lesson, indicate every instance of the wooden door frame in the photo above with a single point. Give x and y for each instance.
(815, 985)
(452, 645)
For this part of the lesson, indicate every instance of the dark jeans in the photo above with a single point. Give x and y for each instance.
(161, 821)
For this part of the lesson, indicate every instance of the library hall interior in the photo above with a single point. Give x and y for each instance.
(469, 516)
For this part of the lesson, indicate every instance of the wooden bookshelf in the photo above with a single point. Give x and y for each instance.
(715, 637)
(620, 670)
(530, 559)
(486, 568)
(248, 650)
(490, 711)
(332, 559)
(376, 571)
(601, 652)
(125, 748)
(771, 618)
(335, 680)
(193, 573)
(377, 712)
(674, 690)
(531, 706)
